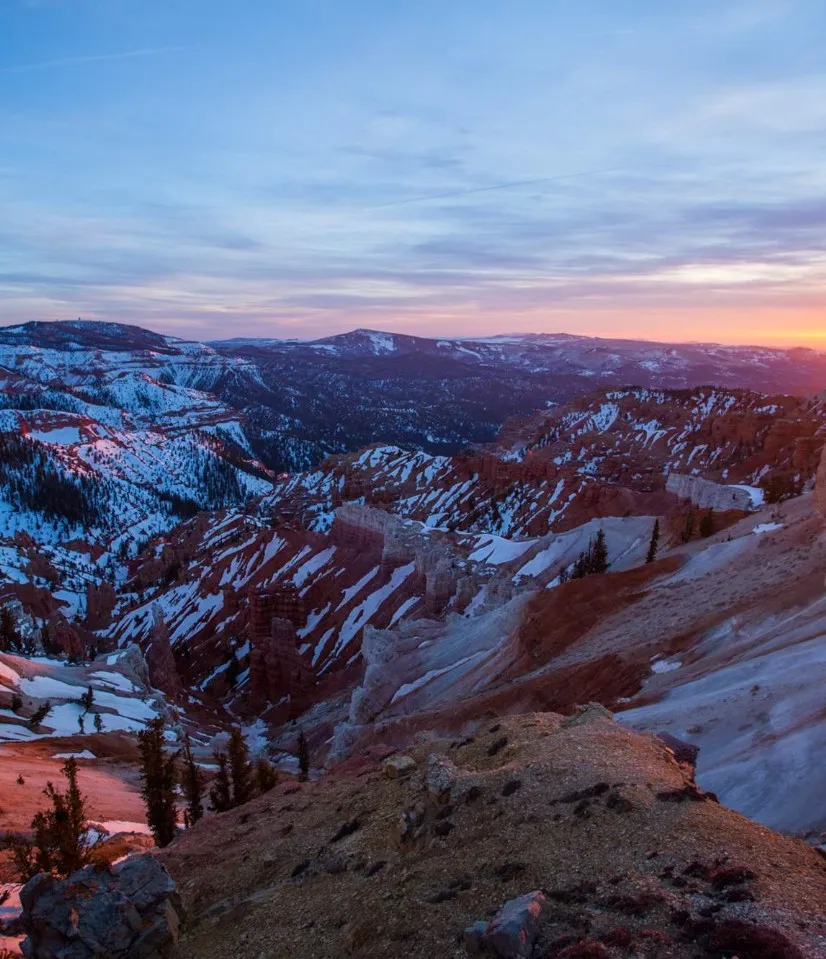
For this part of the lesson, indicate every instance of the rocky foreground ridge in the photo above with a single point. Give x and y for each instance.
(611, 838)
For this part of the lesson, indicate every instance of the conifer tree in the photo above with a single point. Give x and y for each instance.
(98, 723)
(192, 785)
(158, 782)
(240, 768)
(688, 529)
(599, 553)
(61, 832)
(266, 777)
(655, 542)
(67, 824)
(233, 670)
(707, 524)
(303, 757)
(220, 795)
(40, 714)
(49, 646)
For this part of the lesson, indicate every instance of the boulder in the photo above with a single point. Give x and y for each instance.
(128, 911)
(512, 932)
(441, 778)
(397, 767)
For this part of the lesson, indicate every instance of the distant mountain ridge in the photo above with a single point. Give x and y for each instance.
(303, 400)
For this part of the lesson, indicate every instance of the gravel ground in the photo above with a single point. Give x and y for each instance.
(601, 818)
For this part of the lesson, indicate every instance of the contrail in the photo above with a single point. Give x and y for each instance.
(72, 61)
(495, 186)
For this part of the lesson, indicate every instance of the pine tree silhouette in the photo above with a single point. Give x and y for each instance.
(655, 542)
(61, 833)
(266, 776)
(599, 560)
(220, 794)
(303, 757)
(158, 780)
(240, 768)
(192, 785)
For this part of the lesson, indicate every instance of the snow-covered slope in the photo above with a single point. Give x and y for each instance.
(413, 588)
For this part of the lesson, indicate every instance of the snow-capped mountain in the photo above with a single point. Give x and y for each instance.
(299, 401)
(407, 586)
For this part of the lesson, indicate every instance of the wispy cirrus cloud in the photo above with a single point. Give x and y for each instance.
(91, 58)
(447, 170)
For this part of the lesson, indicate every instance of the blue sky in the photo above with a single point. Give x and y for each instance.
(286, 168)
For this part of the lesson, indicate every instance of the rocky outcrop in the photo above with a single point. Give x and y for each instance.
(361, 527)
(707, 495)
(277, 669)
(163, 670)
(128, 911)
(131, 663)
(512, 932)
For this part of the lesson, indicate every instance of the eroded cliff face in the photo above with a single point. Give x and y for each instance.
(706, 494)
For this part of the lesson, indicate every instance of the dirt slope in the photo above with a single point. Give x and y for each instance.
(601, 818)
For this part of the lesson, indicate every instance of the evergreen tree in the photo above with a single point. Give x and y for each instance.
(655, 542)
(688, 529)
(87, 699)
(266, 777)
(61, 833)
(66, 824)
(599, 553)
(233, 669)
(240, 768)
(192, 785)
(40, 714)
(220, 795)
(158, 782)
(98, 723)
(50, 648)
(707, 524)
(303, 757)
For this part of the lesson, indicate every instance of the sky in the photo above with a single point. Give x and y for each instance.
(298, 168)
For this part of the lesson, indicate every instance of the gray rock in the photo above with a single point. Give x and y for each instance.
(397, 767)
(442, 776)
(512, 932)
(128, 911)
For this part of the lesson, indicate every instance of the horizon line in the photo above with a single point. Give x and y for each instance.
(420, 336)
